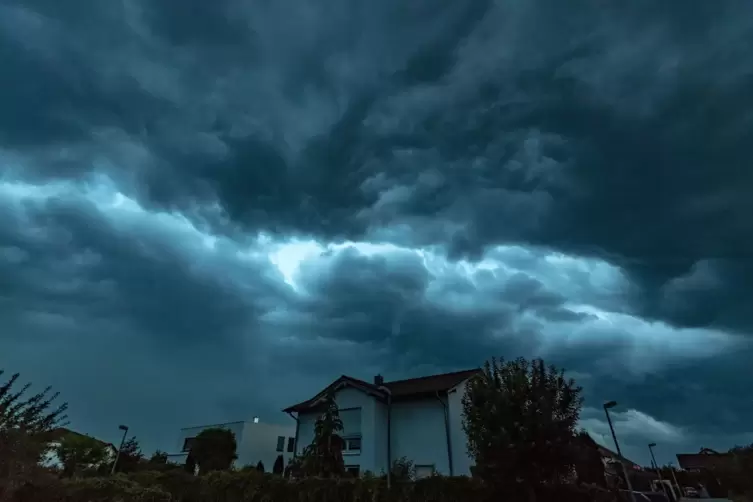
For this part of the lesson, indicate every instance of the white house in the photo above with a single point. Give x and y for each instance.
(56, 435)
(255, 442)
(418, 418)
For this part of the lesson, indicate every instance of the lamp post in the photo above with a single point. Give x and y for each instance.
(607, 406)
(123, 428)
(674, 476)
(658, 471)
(389, 434)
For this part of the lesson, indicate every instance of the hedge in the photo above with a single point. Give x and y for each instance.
(252, 486)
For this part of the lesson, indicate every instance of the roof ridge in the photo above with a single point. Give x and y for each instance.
(425, 377)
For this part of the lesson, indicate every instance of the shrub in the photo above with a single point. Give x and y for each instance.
(113, 489)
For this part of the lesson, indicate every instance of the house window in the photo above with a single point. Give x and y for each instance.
(280, 443)
(291, 445)
(188, 444)
(352, 445)
(351, 434)
(351, 419)
(353, 470)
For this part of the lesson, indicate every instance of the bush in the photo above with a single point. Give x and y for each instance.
(114, 489)
(252, 486)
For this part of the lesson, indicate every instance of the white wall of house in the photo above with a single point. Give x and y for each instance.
(260, 442)
(417, 432)
(461, 461)
(351, 399)
(255, 442)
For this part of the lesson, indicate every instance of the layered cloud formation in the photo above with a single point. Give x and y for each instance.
(210, 211)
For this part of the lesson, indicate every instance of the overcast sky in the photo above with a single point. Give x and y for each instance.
(210, 210)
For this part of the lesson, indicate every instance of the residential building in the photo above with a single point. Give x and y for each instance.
(51, 457)
(419, 419)
(706, 459)
(255, 442)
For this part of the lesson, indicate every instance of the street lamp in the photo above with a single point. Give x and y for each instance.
(123, 428)
(674, 476)
(607, 406)
(658, 471)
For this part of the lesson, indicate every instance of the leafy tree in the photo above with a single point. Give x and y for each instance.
(260, 466)
(35, 414)
(214, 450)
(130, 456)
(190, 465)
(520, 418)
(279, 467)
(26, 426)
(294, 469)
(158, 458)
(80, 453)
(403, 469)
(324, 457)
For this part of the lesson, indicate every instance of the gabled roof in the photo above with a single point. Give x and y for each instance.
(706, 459)
(58, 433)
(399, 389)
(429, 384)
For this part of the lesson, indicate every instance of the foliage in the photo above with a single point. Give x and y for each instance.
(588, 464)
(294, 469)
(279, 467)
(323, 457)
(34, 414)
(260, 466)
(130, 456)
(115, 488)
(403, 470)
(190, 465)
(520, 418)
(158, 457)
(214, 450)
(78, 453)
(252, 486)
(25, 426)
(19, 460)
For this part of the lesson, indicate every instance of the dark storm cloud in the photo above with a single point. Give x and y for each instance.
(619, 133)
(612, 132)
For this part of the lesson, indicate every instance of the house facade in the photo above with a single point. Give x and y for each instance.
(419, 419)
(56, 435)
(256, 441)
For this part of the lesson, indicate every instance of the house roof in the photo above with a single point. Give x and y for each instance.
(705, 459)
(58, 433)
(399, 389)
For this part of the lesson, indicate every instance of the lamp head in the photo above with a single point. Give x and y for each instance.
(610, 404)
(123, 427)
(651, 445)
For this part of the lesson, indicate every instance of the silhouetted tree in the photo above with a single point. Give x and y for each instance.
(279, 467)
(260, 466)
(588, 464)
(214, 450)
(520, 418)
(190, 465)
(27, 425)
(158, 457)
(80, 453)
(130, 456)
(32, 415)
(323, 457)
